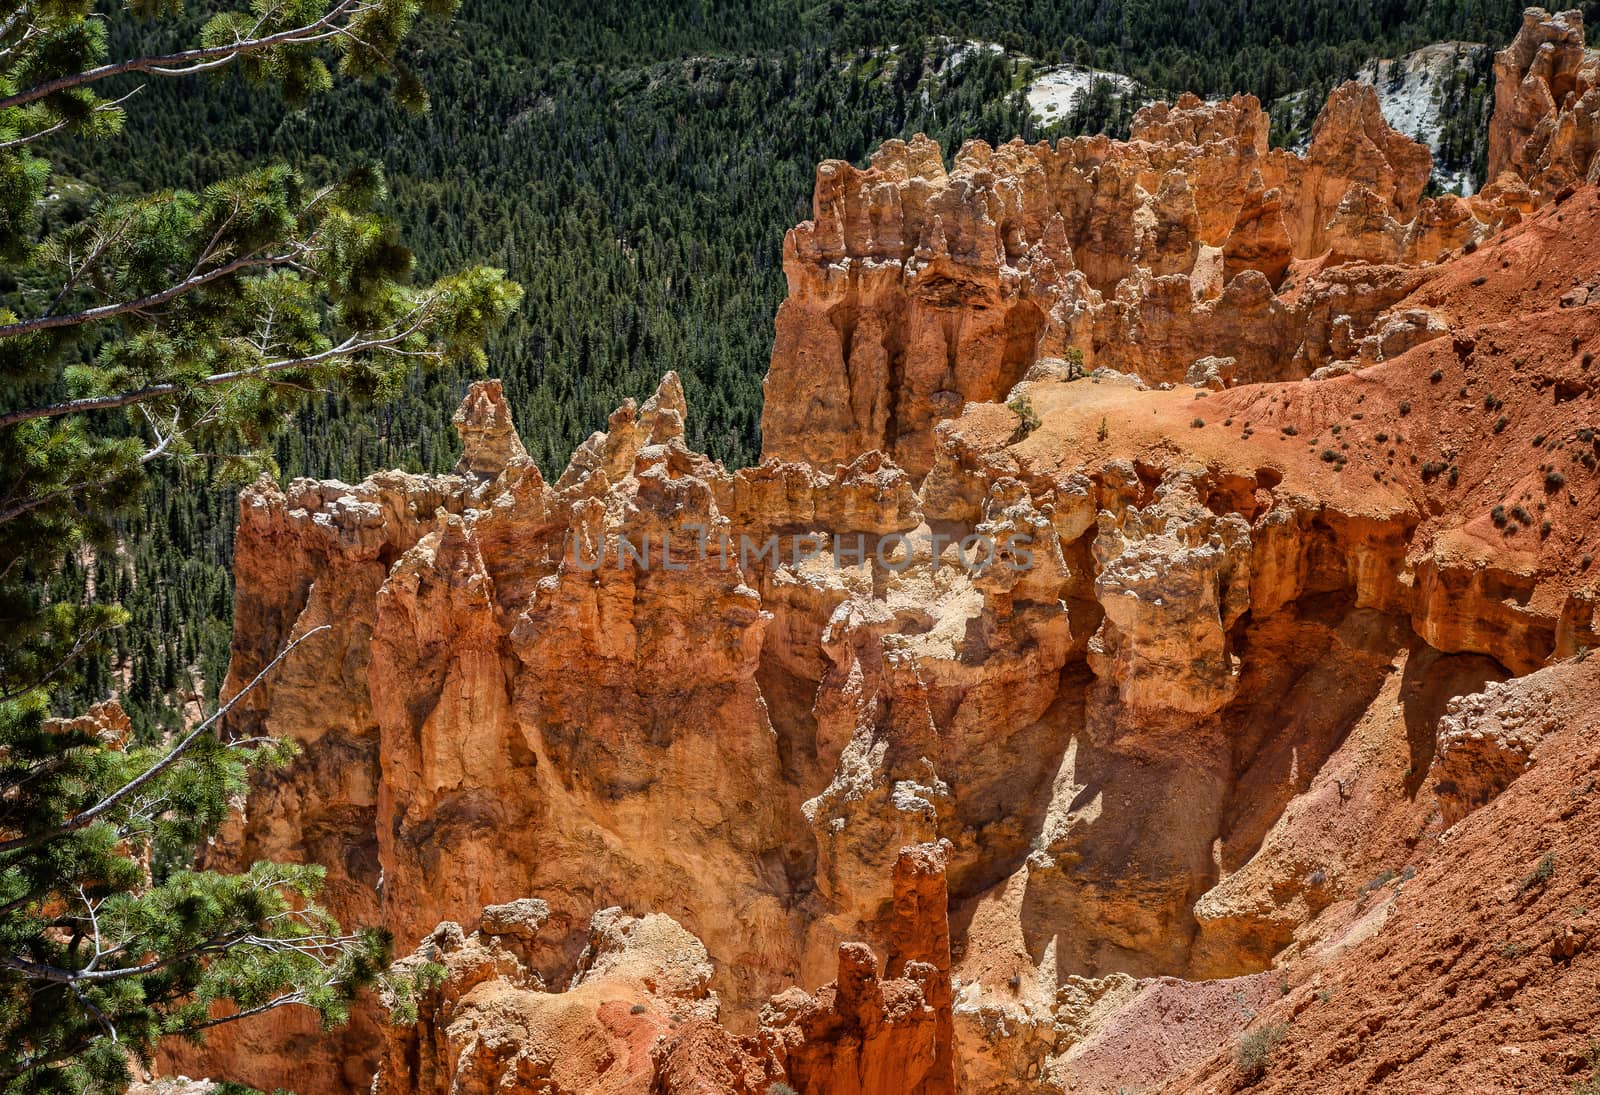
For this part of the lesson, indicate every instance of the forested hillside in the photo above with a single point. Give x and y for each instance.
(635, 166)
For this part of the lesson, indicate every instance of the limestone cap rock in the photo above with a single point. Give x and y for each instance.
(522, 918)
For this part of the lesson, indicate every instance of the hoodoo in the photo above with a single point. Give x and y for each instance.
(1153, 644)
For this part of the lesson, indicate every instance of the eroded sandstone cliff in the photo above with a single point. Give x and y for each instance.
(916, 289)
(1145, 532)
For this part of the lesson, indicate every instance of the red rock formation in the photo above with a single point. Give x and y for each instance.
(107, 722)
(864, 1033)
(915, 290)
(1228, 688)
(490, 1024)
(1546, 123)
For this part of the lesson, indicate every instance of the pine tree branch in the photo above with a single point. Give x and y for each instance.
(111, 311)
(192, 61)
(27, 139)
(11, 21)
(105, 1023)
(56, 975)
(299, 996)
(14, 691)
(94, 926)
(102, 244)
(216, 944)
(23, 508)
(85, 818)
(355, 344)
(28, 1064)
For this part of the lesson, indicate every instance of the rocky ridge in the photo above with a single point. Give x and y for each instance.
(1303, 466)
(915, 289)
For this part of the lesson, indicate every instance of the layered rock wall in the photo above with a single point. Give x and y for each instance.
(1135, 517)
(916, 288)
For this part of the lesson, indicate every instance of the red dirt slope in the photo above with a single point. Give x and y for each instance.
(1478, 975)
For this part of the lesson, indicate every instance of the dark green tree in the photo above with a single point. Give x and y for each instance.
(176, 328)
